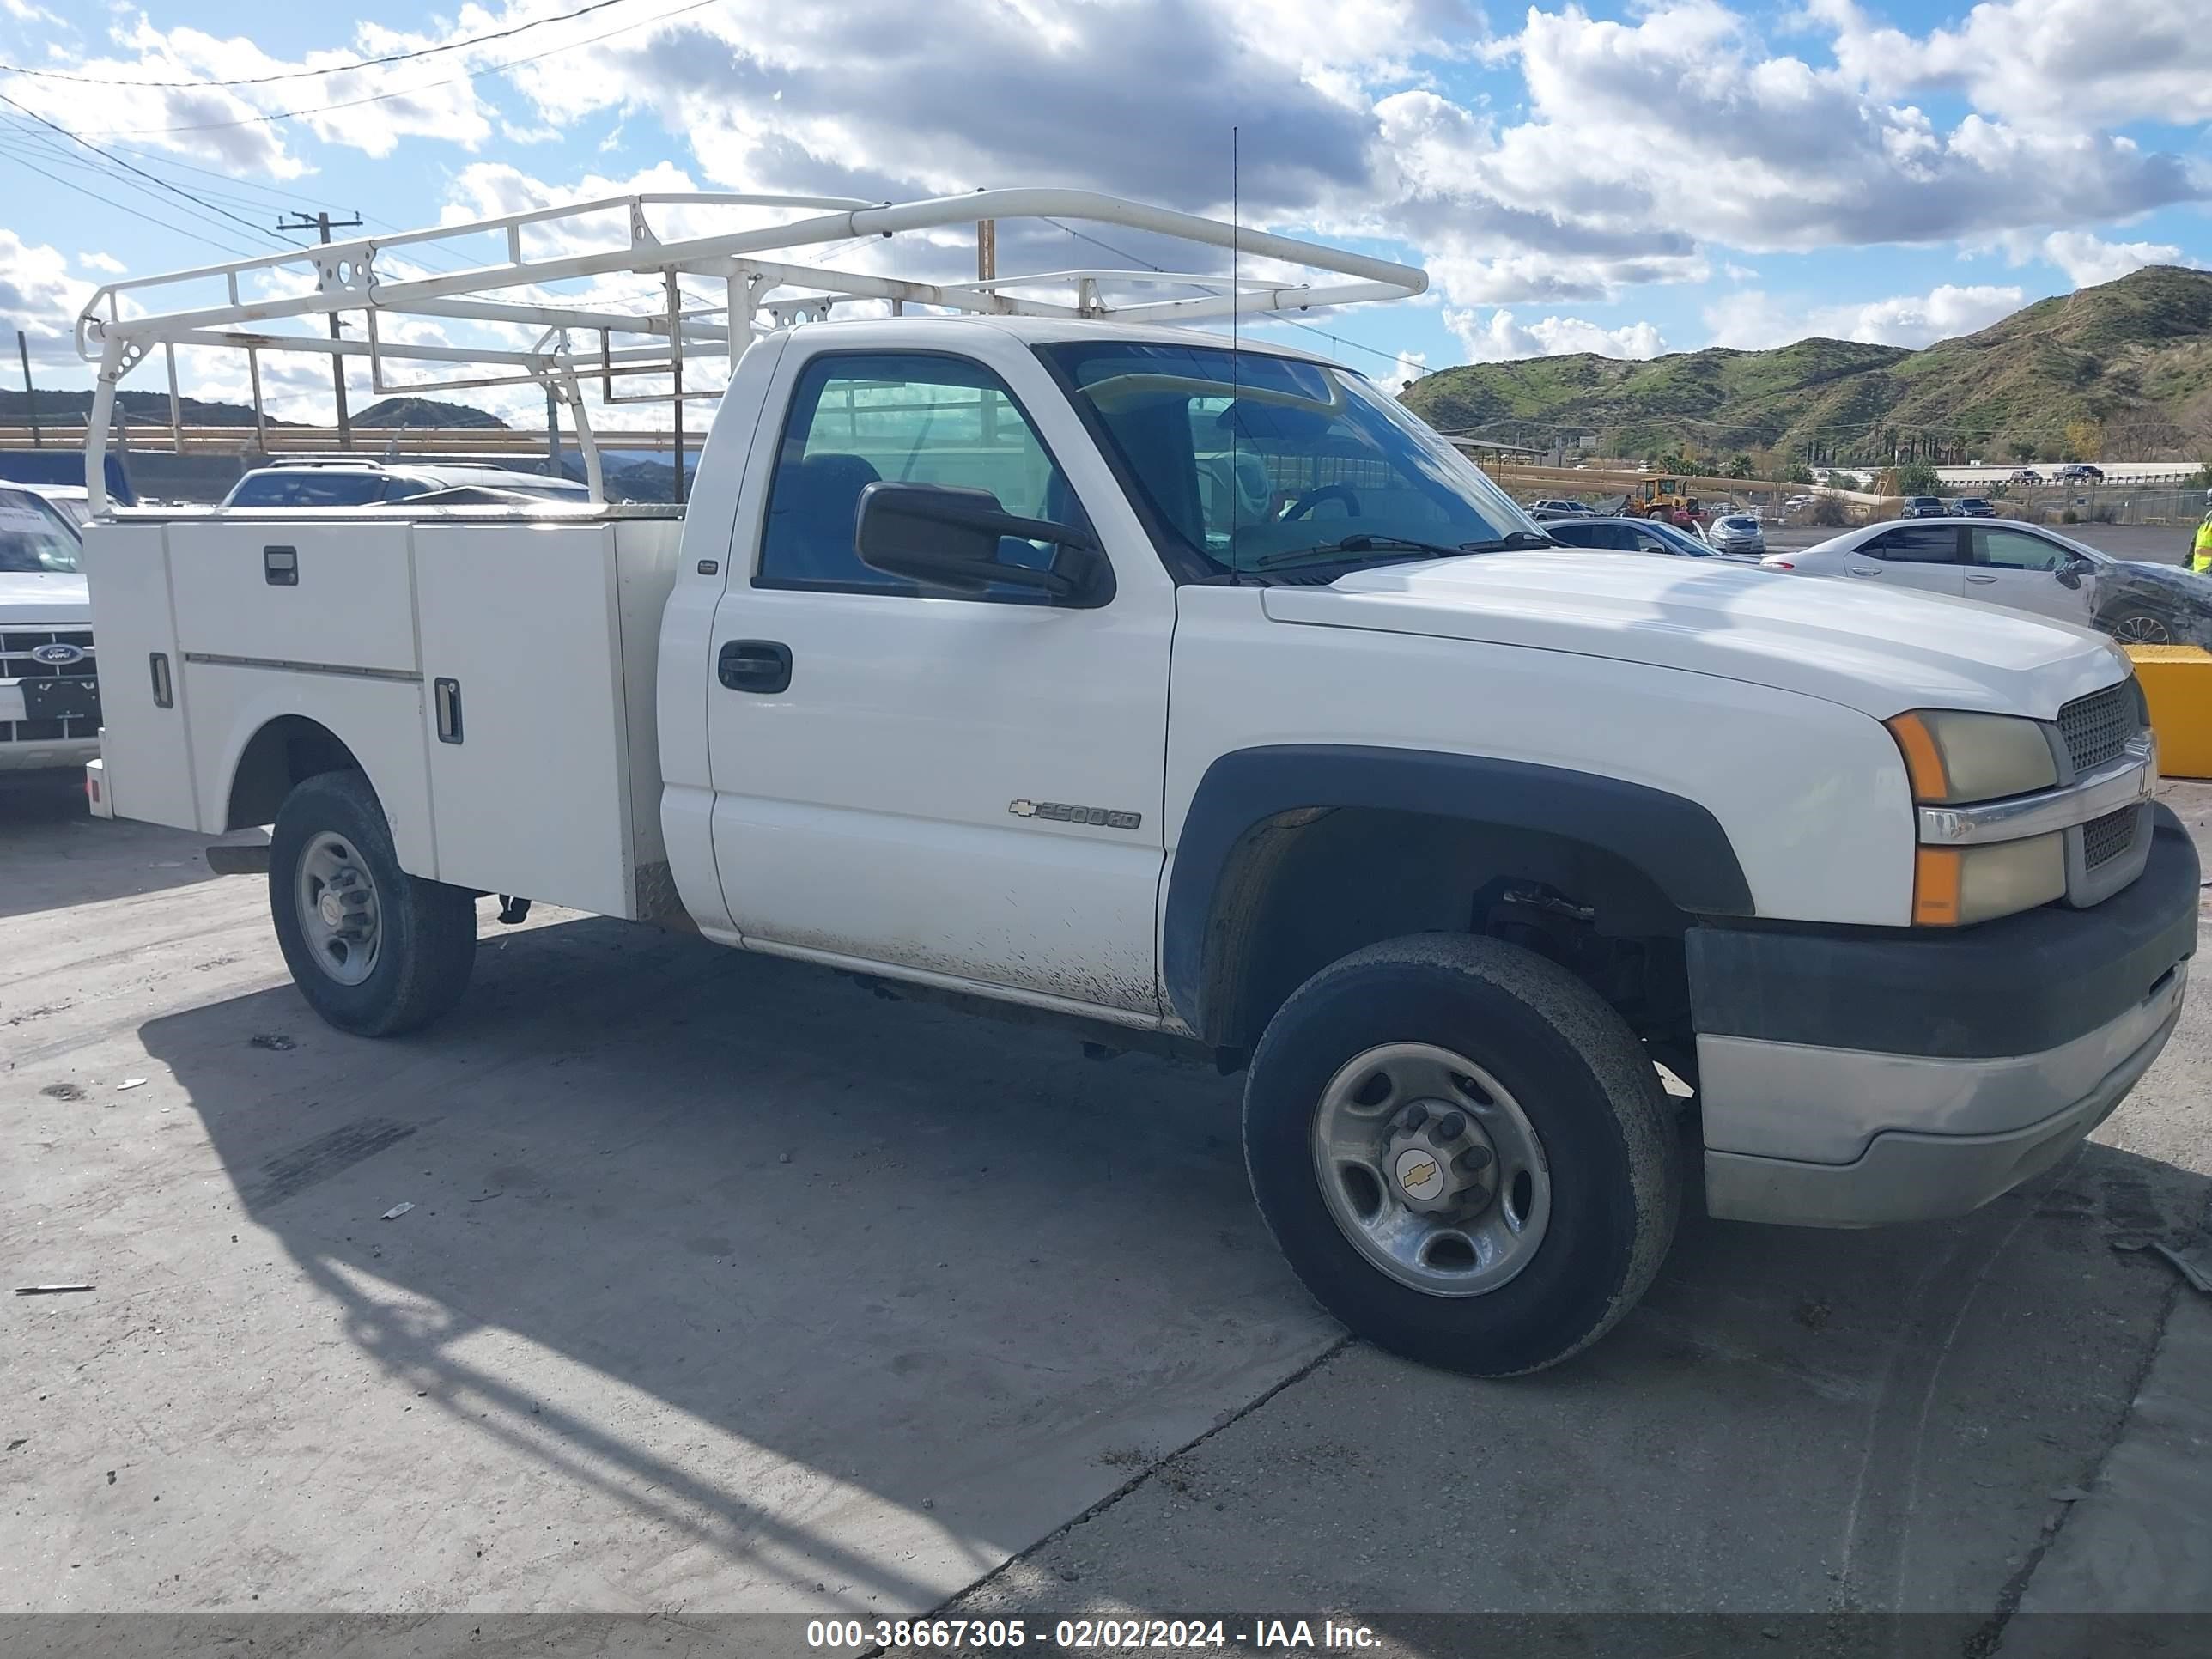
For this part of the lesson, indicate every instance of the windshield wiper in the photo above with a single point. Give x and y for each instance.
(1365, 544)
(1509, 540)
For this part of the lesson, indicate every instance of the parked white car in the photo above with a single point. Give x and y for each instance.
(2023, 566)
(49, 698)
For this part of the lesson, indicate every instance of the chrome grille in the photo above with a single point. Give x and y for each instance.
(2096, 727)
(17, 663)
(2105, 839)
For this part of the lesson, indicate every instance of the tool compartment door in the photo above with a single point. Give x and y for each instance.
(524, 712)
(143, 742)
(335, 598)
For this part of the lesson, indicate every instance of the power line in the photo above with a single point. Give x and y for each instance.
(406, 92)
(311, 74)
(109, 201)
(28, 145)
(1395, 359)
(174, 190)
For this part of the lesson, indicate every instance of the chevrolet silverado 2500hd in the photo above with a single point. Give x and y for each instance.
(985, 659)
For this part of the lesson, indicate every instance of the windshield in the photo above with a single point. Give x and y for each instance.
(34, 537)
(1682, 540)
(308, 487)
(1250, 461)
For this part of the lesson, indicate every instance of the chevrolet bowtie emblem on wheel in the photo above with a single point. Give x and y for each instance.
(1055, 811)
(58, 654)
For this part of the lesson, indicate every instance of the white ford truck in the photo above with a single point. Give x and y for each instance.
(1198, 695)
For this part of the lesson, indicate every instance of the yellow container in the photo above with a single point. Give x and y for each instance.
(2177, 680)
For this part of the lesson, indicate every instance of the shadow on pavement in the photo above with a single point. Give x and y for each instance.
(863, 1295)
(57, 855)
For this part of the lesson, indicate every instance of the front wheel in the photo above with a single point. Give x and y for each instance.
(1463, 1152)
(375, 951)
(2138, 626)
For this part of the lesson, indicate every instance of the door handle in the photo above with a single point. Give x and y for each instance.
(762, 666)
(1863, 569)
(1981, 579)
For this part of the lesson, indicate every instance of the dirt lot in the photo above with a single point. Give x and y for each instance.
(729, 1286)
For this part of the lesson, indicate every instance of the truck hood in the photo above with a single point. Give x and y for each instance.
(36, 599)
(1881, 653)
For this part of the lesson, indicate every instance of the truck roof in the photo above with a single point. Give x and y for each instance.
(1056, 330)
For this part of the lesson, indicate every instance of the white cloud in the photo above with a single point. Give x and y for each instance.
(39, 295)
(1500, 338)
(1773, 152)
(1752, 320)
(2069, 64)
(2087, 260)
(220, 123)
(107, 263)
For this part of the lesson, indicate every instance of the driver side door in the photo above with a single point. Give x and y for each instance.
(2023, 571)
(966, 787)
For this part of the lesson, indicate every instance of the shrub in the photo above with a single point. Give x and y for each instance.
(1827, 513)
(2069, 516)
(1916, 478)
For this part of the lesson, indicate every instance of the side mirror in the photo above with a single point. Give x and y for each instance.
(947, 538)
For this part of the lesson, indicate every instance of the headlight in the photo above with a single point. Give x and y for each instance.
(1959, 886)
(1956, 758)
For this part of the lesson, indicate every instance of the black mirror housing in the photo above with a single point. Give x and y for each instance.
(946, 538)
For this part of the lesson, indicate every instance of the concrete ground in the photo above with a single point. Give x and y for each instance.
(728, 1286)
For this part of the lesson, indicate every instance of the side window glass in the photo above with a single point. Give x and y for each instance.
(1916, 544)
(2009, 549)
(907, 417)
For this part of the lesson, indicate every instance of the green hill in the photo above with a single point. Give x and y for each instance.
(2134, 356)
(424, 411)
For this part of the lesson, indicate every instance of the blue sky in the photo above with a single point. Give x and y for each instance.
(1626, 180)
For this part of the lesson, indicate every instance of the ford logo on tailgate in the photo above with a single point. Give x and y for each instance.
(57, 654)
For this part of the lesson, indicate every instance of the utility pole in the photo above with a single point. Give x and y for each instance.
(323, 222)
(30, 396)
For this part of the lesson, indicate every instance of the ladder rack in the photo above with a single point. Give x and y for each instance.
(531, 331)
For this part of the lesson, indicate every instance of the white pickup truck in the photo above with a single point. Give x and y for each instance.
(973, 665)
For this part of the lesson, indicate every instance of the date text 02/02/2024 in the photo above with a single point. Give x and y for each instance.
(1090, 1635)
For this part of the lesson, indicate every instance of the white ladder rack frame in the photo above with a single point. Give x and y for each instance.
(755, 286)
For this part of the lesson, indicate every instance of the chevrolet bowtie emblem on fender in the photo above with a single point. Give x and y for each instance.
(1054, 812)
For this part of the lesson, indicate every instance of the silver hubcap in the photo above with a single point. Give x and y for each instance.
(2140, 630)
(1431, 1169)
(337, 908)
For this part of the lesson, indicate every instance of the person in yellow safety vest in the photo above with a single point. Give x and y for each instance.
(2200, 557)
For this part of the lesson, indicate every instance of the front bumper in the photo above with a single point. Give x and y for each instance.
(48, 722)
(1855, 1078)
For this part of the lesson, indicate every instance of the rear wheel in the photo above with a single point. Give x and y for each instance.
(1463, 1152)
(374, 950)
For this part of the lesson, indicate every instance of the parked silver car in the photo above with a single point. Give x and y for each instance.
(1737, 534)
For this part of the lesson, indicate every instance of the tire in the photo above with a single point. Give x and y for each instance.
(2133, 625)
(424, 933)
(1562, 1058)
